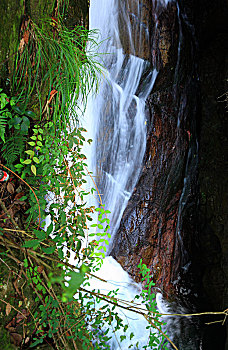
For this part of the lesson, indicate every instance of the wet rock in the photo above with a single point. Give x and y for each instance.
(151, 30)
(153, 225)
(176, 219)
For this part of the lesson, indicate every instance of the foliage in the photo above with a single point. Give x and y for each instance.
(61, 171)
(44, 145)
(52, 59)
(153, 317)
(15, 124)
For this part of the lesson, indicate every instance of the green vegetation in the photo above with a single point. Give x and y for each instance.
(53, 64)
(42, 141)
(58, 313)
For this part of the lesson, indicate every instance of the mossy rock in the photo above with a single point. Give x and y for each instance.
(10, 21)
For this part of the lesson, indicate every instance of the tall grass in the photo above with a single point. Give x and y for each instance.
(52, 64)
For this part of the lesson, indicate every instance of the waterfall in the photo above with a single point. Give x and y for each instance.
(115, 121)
(115, 117)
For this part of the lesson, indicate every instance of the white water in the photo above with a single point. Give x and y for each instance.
(119, 279)
(115, 118)
(115, 121)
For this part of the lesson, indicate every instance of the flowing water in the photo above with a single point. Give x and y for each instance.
(115, 121)
(115, 118)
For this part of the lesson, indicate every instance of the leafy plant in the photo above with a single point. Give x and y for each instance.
(53, 60)
(52, 71)
(14, 123)
(156, 336)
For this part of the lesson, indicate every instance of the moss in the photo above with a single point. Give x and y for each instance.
(39, 10)
(12, 13)
(5, 339)
(10, 20)
(78, 13)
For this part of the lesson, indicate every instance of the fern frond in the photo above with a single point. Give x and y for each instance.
(3, 123)
(13, 148)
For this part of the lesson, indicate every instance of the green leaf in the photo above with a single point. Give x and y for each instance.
(122, 337)
(100, 226)
(27, 161)
(49, 250)
(3, 101)
(18, 110)
(12, 101)
(36, 160)
(41, 235)
(36, 342)
(50, 229)
(103, 220)
(31, 244)
(78, 247)
(60, 252)
(125, 328)
(76, 279)
(31, 143)
(30, 114)
(84, 268)
(26, 121)
(30, 152)
(24, 127)
(23, 198)
(97, 254)
(33, 169)
(16, 120)
(18, 166)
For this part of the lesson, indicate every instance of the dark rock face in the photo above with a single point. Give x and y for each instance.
(213, 69)
(212, 30)
(153, 226)
(176, 219)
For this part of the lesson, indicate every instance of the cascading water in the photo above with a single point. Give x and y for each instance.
(115, 120)
(116, 115)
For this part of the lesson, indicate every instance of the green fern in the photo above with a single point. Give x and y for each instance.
(13, 148)
(3, 123)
